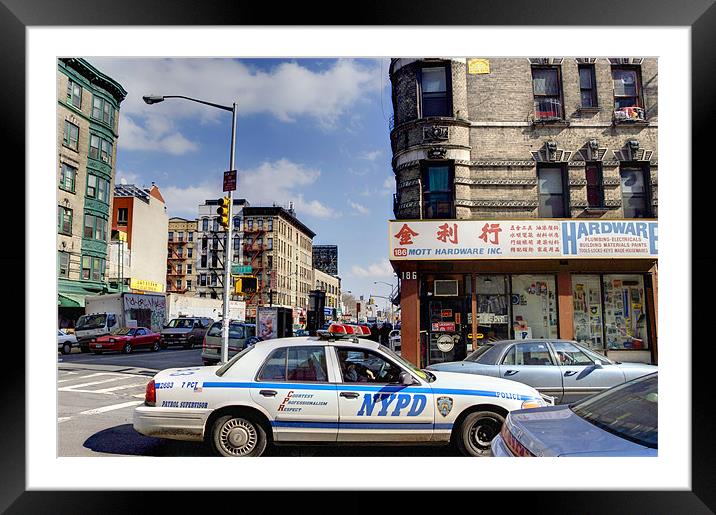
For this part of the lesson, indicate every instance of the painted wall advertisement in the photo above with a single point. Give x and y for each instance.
(522, 239)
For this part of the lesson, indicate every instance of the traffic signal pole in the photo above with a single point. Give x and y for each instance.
(228, 248)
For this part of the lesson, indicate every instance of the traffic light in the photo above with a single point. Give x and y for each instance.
(244, 284)
(223, 212)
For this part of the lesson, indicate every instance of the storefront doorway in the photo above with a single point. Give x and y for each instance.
(447, 330)
(493, 308)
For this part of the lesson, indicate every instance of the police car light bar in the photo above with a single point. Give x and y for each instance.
(347, 329)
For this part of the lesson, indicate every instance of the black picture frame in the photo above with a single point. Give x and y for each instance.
(699, 15)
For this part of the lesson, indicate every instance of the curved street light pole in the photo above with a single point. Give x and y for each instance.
(228, 246)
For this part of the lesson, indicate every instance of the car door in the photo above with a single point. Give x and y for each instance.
(373, 406)
(138, 338)
(581, 376)
(293, 386)
(532, 363)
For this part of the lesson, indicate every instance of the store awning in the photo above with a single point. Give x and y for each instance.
(70, 300)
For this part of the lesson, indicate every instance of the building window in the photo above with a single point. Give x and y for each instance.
(188, 268)
(250, 224)
(92, 268)
(237, 243)
(270, 243)
(635, 195)
(438, 191)
(188, 284)
(189, 252)
(64, 264)
(67, 177)
(191, 236)
(625, 312)
(205, 224)
(74, 94)
(180, 236)
(178, 284)
(237, 222)
(546, 86)
(95, 227)
(627, 88)
(71, 136)
(203, 261)
(171, 235)
(434, 83)
(100, 149)
(552, 185)
(202, 280)
(270, 224)
(122, 216)
(98, 188)
(180, 252)
(64, 221)
(587, 85)
(595, 187)
(534, 306)
(102, 110)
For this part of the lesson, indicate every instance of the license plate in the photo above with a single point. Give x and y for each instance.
(98, 346)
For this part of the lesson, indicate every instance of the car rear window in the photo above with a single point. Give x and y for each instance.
(629, 411)
(486, 354)
(236, 331)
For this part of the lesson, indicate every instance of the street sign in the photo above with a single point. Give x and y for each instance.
(241, 269)
(230, 180)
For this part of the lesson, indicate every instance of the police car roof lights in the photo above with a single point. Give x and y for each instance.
(343, 331)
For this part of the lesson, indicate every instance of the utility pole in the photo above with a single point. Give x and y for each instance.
(228, 247)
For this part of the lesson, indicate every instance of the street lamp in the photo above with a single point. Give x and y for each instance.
(390, 299)
(155, 99)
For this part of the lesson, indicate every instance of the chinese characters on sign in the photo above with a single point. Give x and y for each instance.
(523, 239)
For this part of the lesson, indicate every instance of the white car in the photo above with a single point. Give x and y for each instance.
(65, 341)
(327, 388)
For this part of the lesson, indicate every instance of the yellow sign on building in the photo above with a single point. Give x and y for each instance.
(478, 66)
(141, 284)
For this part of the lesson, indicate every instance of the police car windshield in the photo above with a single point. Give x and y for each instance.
(220, 372)
(407, 364)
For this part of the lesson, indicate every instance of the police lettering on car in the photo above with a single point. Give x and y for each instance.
(334, 387)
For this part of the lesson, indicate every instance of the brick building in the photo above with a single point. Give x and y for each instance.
(526, 202)
(181, 256)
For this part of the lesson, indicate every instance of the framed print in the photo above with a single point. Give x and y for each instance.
(97, 62)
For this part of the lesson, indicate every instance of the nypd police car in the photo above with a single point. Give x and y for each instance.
(333, 387)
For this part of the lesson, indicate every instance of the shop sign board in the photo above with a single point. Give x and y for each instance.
(522, 239)
(443, 326)
(144, 285)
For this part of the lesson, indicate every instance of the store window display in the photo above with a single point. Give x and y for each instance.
(587, 302)
(625, 312)
(534, 306)
(492, 307)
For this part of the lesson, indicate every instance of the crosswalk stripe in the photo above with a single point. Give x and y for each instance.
(112, 407)
(63, 419)
(72, 387)
(122, 387)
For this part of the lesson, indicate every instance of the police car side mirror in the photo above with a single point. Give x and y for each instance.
(405, 379)
(597, 364)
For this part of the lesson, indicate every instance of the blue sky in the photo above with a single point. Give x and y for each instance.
(311, 131)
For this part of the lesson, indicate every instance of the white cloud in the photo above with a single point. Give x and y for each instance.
(372, 155)
(125, 177)
(360, 209)
(286, 91)
(379, 269)
(184, 202)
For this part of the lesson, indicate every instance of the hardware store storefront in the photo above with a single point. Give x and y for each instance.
(464, 283)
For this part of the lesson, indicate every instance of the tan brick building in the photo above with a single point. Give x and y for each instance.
(181, 256)
(559, 142)
(87, 131)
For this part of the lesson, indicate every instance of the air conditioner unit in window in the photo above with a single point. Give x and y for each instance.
(105, 159)
(445, 288)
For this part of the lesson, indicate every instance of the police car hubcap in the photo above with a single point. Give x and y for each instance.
(238, 436)
(483, 431)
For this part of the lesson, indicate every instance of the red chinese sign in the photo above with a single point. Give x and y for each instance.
(444, 326)
(447, 234)
(493, 229)
(406, 235)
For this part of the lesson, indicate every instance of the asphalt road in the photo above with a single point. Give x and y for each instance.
(171, 357)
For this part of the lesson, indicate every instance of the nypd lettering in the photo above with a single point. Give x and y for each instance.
(392, 404)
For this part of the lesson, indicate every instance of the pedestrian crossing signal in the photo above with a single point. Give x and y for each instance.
(223, 212)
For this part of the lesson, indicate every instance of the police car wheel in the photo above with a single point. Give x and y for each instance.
(477, 431)
(236, 436)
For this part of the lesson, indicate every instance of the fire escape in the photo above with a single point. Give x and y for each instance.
(173, 260)
(254, 248)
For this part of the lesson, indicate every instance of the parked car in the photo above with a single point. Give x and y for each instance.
(394, 339)
(185, 331)
(333, 387)
(241, 335)
(65, 341)
(559, 368)
(300, 332)
(621, 421)
(126, 339)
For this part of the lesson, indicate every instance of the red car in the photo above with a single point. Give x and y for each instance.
(126, 339)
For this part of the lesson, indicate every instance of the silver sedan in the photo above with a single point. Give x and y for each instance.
(562, 369)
